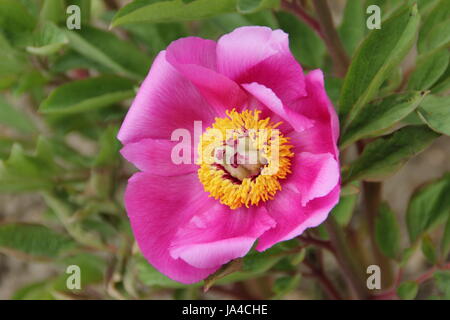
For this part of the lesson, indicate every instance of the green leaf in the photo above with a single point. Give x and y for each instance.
(333, 87)
(71, 157)
(23, 172)
(442, 280)
(428, 249)
(92, 268)
(12, 117)
(12, 61)
(31, 82)
(439, 36)
(73, 60)
(435, 112)
(152, 277)
(438, 14)
(429, 69)
(109, 148)
(380, 115)
(306, 46)
(375, 59)
(408, 290)
(177, 10)
(262, 18)
(107, 49)
(171, 11)
(53, 10)
(285, 284)
(258, 262)
(247, 6)
(32, 6)
(215, 27)
(6, 81)
(65, 210)
(254, 264)
(353, 25)
(251, 6)
(48, 40)
(87, 95)
(393, 83)
(445, 242)
(343, 211)
(443, 83)
(157, 37)
(428, 206)
(35, 241)
(5, 147)
(387, 154)
(387, 232)
(227, 269)
(425, 6)
(350, 189)
(15, 20)
(35, 291)
(406, 255)
(388, 7)
(412, 119)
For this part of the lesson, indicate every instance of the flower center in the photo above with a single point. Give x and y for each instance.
(242, 158)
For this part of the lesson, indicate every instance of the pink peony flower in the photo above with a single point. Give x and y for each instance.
(191, 218)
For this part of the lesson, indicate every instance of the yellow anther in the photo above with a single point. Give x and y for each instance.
(242, 158)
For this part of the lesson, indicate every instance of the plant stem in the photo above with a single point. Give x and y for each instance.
(112, 4)
(295, 8)
(372, 201)
(421, 279)
(238, 294)
(326, 283)
(317, 242)
(331, 38)
(349, 266)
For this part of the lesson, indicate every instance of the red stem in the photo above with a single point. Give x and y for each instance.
(326, 283)
(391, 293)
(317, 242)
(112, 4)
(294, 8)
(331, 38)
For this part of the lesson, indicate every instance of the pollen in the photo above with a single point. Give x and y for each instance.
(242, 159)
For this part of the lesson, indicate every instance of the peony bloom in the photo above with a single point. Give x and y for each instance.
(191, 218)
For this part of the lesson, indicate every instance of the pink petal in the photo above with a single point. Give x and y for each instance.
(314, 175)
(323, 136)
(155, 156)
(157, 207)
(194, 51)
(166, 101)
(292, 218)
(316, 139)
(245, 47)
(219, 235)
(259, 54)
(195, 59)
(271, 101)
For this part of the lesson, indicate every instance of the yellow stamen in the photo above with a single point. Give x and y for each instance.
(242, 158)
